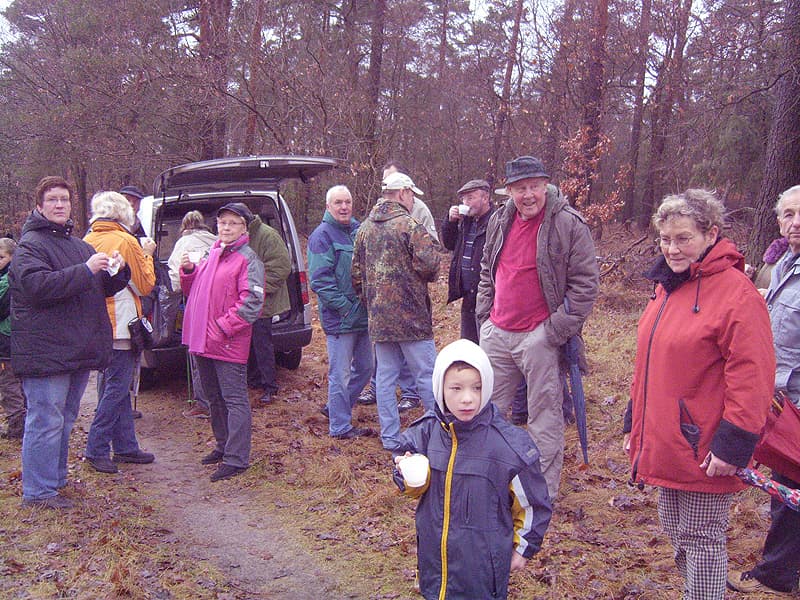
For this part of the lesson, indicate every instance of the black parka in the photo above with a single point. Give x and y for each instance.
(58, 308)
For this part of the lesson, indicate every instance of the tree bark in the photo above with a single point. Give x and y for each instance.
(502, 111)
(672, 72)
(782, 165)
(593, 98)
(642, 53)
(214, 52)
(374, 75)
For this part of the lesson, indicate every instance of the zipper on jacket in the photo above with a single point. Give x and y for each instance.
(635, 468)
(448, 488)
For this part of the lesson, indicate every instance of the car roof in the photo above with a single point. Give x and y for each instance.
(240, 173)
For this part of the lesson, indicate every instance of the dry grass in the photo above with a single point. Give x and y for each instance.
(337, 499)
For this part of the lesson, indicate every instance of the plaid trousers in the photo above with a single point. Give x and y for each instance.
(696, 523)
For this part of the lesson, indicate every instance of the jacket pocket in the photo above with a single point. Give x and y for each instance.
(689, 429)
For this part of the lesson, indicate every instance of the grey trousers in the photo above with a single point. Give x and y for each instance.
(528, 355)
(225, 389)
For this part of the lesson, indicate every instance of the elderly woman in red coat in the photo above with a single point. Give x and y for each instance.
(702, 384)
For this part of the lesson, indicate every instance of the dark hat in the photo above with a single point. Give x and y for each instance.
(240, 209)
(472, 185)
(132, 190)
(524, 167)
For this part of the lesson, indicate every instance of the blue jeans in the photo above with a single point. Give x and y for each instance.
(419, 355)
(225, 389)
(349, 367)
(53, 404)
(405, 380)
(113, 425)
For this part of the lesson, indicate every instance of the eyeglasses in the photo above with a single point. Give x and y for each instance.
(229, 223)
(681, 241)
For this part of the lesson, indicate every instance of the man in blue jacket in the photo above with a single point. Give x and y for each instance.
(343, 316)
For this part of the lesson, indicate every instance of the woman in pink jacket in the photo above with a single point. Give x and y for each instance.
(225, 294)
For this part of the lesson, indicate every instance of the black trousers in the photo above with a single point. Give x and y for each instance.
(780, 564)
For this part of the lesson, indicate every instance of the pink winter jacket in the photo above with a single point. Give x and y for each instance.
(225, 294)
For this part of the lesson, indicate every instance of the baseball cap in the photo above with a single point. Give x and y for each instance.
(400, 181)
(240, 209)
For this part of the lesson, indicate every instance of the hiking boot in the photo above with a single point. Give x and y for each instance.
(138, 457)
(324, 410)
(226, 472)
(196, 412)
(266, 398)
(367, 396)
(745, 582)
(407, 403)
(55, 502)
(355, 432)
(137, 414)
(103, 465)
(212, 458)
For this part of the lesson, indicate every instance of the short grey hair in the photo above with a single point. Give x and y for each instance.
(335, 190)
(7, 245)
(783, 195)
(702, 206)
(113, 206)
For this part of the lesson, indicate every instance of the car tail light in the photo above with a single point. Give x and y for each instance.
(303, 287)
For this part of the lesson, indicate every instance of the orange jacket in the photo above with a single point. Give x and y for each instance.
(108, 236)
(707, 343)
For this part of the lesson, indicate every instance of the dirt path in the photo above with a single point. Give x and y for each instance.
(217, 522)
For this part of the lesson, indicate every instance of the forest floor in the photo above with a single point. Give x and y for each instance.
(316, 518)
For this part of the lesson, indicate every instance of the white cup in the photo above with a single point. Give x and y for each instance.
(142, 240)
(113, 267)
(414, 469)
(195, 256)
(463, 210)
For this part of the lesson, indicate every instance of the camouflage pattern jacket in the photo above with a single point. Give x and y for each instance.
(394, 259)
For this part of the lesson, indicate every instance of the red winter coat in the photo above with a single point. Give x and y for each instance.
(708, 343)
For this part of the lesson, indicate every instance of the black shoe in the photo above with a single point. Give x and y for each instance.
(407, 403)
(324, 410)
(103, 465)
(137, 414)
(367, 396)
(138, 457)
(226, 472)
(266, 398)
(56, 502)
(212, 458)
(517, 419)
(355, 432)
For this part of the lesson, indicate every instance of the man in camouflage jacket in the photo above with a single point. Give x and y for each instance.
(394, 259)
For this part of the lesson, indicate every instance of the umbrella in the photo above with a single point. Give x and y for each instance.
(572, 350)
(790, 497)
(137, 378)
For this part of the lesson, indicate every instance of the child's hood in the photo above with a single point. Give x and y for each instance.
(473, 355)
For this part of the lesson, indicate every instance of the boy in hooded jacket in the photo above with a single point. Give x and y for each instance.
(484, 507)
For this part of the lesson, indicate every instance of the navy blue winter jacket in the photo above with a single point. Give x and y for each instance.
(485, 483)
(58, 307)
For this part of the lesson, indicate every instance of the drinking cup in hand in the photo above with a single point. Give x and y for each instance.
(414, 469)
(463, 210)
(195, 256)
